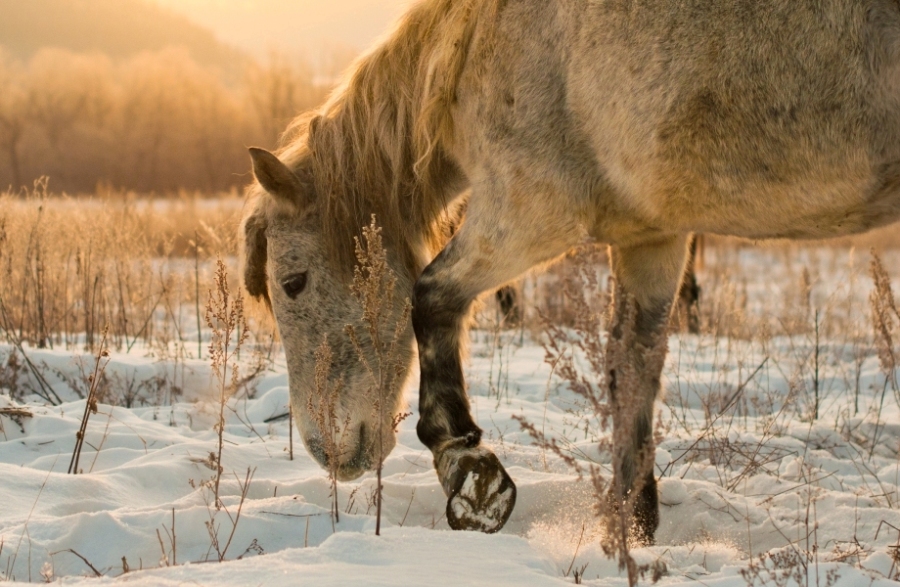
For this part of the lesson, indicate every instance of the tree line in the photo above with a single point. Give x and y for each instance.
(156, 122)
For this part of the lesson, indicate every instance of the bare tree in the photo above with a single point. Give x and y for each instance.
(279, 90)
(65, 89)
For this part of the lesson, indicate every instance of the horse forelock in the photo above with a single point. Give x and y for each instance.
(253, 245)
(380, 143)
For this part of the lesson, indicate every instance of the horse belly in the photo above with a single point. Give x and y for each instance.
(821, 205)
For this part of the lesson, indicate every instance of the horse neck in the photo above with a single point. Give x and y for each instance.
(366, 163)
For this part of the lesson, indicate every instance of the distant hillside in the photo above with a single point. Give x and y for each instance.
(311, 28)
(118, 28)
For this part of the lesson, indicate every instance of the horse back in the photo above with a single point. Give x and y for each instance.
(760, 118)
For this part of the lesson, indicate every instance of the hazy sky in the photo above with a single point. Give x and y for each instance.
(310, 27)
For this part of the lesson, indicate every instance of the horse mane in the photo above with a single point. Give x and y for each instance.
(379, 144)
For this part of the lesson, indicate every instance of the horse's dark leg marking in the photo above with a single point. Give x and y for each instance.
(438, 311)
(648, 278)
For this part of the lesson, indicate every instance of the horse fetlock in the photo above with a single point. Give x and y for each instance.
(480, 493)
(447, 425)
(641, 504)
(646, 512)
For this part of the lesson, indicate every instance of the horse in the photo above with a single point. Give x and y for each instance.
(629, 123)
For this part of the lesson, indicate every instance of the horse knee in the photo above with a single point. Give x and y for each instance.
(423, 301)
(435, 302)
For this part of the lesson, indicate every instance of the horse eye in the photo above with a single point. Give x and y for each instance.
(294, 284)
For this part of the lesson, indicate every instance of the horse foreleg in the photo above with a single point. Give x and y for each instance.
(647, 280)
(480, 494)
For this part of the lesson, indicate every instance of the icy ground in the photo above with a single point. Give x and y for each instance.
(744, 470)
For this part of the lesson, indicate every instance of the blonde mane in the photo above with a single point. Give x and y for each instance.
(379, 144)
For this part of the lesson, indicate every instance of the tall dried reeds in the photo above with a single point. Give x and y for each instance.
(69, 268)
(90, 405)
(885, 320)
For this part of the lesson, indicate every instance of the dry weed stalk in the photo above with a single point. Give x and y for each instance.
(885, 317)
(169, 558)
(228, 325)
(374, 287)
(225, 317)
(797, 562)
(17, 415)
(323, 407)
(893, 550)
(91, 401)
(212, 527)
(786, 567)
(11, 559)
(93, 569)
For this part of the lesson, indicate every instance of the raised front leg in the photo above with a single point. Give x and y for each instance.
(492, 248)
(647, 280)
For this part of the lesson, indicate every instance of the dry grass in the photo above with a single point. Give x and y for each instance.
(69, 268)
(601, 369)
(817, 315)
(90, 405)
(225, 318)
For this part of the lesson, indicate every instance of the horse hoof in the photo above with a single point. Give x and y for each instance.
(480, 494)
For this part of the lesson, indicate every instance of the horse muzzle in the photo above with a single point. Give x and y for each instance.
(352, 454)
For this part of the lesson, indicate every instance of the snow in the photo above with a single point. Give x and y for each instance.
(757, 477)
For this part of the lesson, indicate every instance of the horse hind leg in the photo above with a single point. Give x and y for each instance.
(647, 280)
(687, 313)
(510, 306)
(480, 493)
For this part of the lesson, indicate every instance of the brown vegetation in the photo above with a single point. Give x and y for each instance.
(155, 122)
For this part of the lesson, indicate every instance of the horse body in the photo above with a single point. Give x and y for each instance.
(629, 122)
(757, 119)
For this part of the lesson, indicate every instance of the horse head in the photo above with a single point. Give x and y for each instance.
(342, 407)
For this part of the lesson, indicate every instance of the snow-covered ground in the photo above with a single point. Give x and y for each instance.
(744, 471)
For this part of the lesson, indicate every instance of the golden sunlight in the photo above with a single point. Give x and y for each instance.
(309, 27)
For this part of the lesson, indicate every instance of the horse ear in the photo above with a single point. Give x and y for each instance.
(253, 231)
(276, 178)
